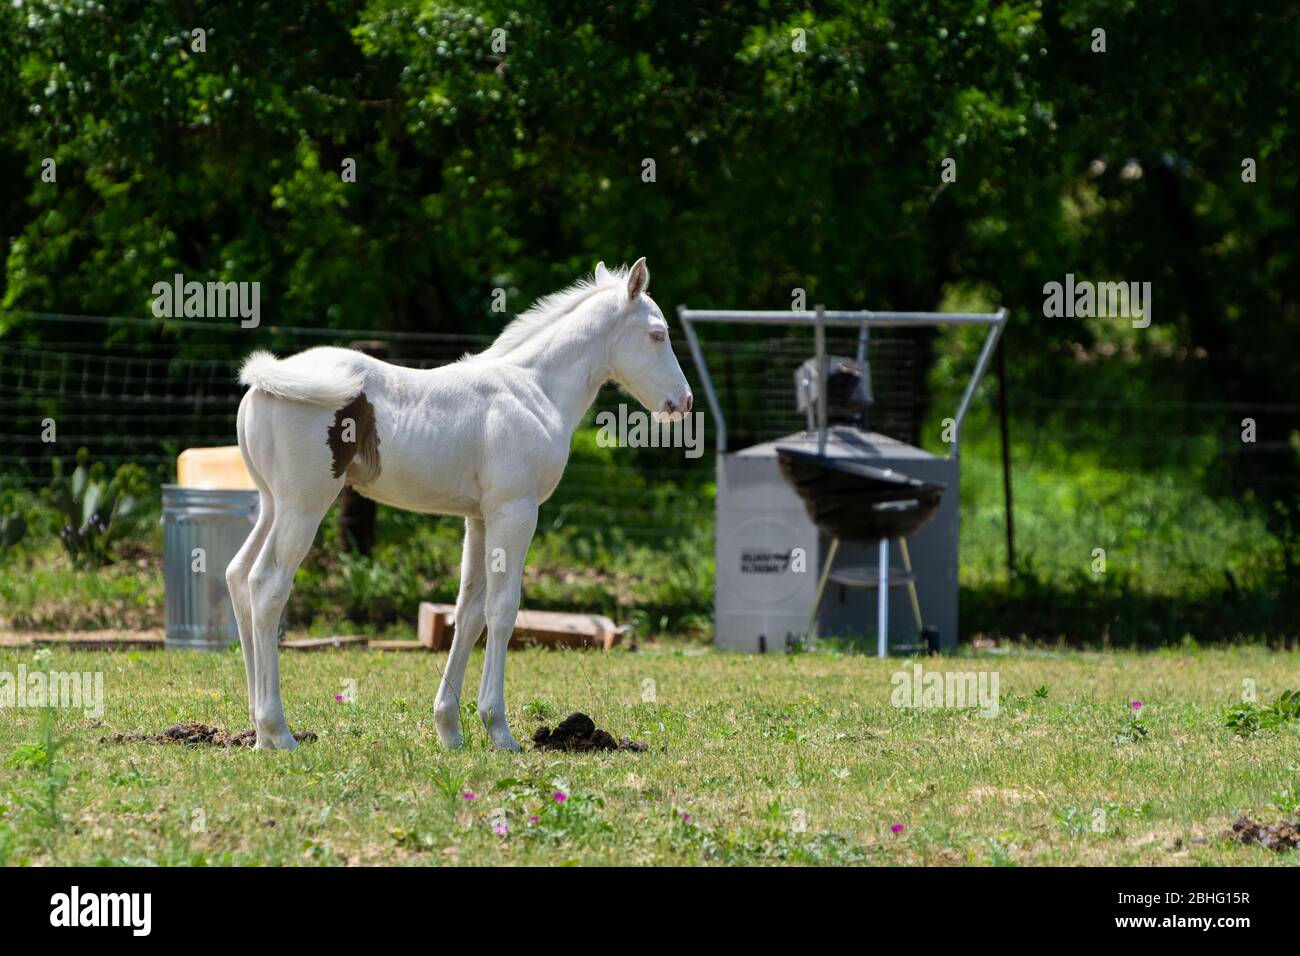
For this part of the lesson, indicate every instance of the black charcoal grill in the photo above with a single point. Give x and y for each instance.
(853, 501)
(857, 502)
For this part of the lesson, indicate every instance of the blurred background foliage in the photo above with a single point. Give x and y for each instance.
(776, 168)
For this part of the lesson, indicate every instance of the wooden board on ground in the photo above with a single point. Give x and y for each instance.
(437, 625)
(398, 646)
(435, 629)
(100, 641)
(323, 643)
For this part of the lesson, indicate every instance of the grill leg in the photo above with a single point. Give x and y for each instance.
(882, 602)
(821, 587)
(911, 585)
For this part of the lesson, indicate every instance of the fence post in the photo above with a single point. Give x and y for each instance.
(1006, 458)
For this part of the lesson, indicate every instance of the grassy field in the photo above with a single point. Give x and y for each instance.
(752, 760)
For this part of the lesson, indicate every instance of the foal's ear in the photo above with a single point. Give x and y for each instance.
(601, 272)
(638, 280)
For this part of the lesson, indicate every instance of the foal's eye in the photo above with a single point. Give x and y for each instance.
(657, 335)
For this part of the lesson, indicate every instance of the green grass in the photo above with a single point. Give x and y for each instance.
(1160, 532)
(750, 747)
(1108, 554)
(50, 595)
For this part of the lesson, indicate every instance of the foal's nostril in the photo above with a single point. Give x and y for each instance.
(690, 402)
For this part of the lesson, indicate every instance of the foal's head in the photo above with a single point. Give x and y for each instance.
(641, 357)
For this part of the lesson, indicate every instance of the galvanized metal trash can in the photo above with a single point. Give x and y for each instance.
(199, 613)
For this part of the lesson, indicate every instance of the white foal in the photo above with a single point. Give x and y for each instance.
(486, 438)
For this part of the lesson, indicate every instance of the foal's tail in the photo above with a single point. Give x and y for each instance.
(297, 381)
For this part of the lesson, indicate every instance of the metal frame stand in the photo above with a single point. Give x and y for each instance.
(820, 319)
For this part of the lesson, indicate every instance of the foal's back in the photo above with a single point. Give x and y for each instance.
(415, 439)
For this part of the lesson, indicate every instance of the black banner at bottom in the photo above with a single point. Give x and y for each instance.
(335, 906)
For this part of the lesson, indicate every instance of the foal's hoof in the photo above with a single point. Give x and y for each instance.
(446, 719)
(277, 740)
(502, 739)
(449, 737)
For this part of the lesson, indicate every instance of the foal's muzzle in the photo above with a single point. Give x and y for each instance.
(682, 406)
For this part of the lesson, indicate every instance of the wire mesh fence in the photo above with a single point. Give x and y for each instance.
(160, 387)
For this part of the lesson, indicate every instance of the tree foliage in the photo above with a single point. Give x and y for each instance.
(796, 145)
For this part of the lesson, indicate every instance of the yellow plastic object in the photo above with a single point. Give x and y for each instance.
(213, 469)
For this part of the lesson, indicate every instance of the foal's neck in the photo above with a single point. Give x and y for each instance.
(572, 360)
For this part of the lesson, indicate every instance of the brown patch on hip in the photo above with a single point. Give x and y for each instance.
(354, 442)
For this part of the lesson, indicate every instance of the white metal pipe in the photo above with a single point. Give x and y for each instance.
(819, 334)
(981, 365)
(842, 318)
(710, 394)
(882, 602)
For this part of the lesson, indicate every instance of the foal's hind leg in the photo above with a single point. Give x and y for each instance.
(240, 566)
(287, 543)
(237, 584)
(470, 603)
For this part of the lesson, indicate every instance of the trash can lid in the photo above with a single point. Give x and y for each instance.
(213, 468)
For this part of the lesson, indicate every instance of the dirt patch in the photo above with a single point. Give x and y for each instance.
(1274, 836)
(578, 732)
(198, 735)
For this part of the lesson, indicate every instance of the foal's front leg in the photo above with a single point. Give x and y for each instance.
(470, 604)
(509, 532)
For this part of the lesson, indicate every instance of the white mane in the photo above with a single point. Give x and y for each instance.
(548, 308)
